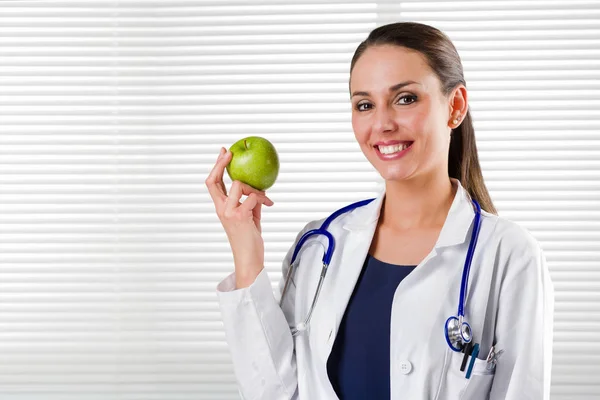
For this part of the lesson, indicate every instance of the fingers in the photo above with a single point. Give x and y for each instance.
(214, 181)
(253, 206)
(218, 192)
(250, 204)
(238, 189)
(247, 190)
(233, 200)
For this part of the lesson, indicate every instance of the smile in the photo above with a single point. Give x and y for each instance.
(393, 152)
(393, 148)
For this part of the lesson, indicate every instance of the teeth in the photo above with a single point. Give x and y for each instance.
(393, 149)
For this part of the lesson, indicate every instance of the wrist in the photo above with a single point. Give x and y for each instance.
(246, 278)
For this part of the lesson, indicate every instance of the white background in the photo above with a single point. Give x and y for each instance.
(112, 114)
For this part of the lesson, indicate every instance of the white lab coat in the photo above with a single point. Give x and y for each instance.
(510, 303)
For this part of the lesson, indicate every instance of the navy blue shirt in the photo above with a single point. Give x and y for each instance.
(359, 363)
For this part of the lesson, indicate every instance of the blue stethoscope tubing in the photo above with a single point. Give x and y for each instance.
(302, 326)
(456, 331)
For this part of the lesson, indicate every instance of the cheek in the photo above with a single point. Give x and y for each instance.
(420, 122)
(425, 127)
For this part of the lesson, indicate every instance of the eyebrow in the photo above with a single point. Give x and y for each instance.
(391, 89)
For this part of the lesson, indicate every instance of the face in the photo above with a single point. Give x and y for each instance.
(386, 113)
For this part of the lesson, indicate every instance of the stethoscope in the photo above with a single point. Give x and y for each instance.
(457, 331)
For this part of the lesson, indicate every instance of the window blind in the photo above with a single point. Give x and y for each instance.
(112, 114)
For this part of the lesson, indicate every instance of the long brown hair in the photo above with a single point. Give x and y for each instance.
(443, 59)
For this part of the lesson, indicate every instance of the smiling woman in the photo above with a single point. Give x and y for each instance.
(411, 88)
(376, 316)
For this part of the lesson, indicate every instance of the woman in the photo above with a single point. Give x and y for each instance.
(378, 328)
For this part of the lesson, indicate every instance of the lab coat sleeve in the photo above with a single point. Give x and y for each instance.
(258, 336)
(524, 324)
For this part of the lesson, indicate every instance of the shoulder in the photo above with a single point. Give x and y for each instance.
(314, 224)
(357, 214)
(517, 251)
(514, 236)
(310, 225)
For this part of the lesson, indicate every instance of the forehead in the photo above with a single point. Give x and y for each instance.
(380, 67)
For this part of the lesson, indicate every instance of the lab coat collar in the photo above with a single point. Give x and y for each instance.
(456, 225)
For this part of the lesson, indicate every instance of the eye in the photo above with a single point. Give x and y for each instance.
(408, 96)
(358, 106)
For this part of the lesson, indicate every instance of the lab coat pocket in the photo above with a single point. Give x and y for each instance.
(458, 387)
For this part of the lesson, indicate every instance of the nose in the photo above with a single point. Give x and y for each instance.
(384, 120)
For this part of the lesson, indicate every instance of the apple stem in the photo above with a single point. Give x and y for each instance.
(245, 144)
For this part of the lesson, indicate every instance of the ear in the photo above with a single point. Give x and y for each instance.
(458, 103)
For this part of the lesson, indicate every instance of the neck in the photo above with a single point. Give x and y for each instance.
(417, 203)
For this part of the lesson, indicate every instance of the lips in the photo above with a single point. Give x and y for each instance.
(393, 156)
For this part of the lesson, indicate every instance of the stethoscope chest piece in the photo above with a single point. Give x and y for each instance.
(458, 333)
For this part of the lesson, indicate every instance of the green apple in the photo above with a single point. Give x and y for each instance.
(254, 161)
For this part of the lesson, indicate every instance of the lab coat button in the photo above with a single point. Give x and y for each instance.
(405, 367)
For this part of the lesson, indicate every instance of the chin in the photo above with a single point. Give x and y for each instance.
(395, 173)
